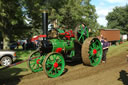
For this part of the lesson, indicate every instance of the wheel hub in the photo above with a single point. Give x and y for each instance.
(38, 61)
(94, 51)
(55, 65)
(6, 62)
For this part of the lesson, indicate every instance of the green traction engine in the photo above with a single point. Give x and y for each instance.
(67, 46)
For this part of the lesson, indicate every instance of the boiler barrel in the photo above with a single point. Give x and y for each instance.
(65, 45)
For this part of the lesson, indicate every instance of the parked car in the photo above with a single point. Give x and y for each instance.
(7, 57)
(13, 45)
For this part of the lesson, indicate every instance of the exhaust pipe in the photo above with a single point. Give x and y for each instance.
(45, 24)
(46, 46)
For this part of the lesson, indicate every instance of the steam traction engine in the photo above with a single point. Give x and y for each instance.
(68, 46)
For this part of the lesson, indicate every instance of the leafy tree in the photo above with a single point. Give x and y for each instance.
(33, 12)
(11, 20)
(103, 27)
(118, 19)
(66, 12)
(75, 12)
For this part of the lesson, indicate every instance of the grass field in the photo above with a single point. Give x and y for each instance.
(116, 50)
(22, 69)
(18, 70)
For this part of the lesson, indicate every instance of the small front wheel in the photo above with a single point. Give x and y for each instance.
(35, 64)
(53, 64)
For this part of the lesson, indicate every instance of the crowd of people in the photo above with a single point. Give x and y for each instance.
(30, 45)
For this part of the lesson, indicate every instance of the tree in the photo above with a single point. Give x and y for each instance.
(118, 19)
(75, 12)
(66, 12)
(103, 27)
(11, 20)
(33, 12)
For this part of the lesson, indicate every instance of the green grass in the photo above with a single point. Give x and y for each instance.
(117, 49)
(18, 70)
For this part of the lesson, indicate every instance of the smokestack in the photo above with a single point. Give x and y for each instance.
(45, 24)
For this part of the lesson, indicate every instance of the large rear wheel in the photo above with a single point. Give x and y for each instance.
(91, 51)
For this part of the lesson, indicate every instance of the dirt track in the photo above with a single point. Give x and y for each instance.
(114, 72)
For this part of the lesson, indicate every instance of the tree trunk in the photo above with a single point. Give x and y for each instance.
(5, 41)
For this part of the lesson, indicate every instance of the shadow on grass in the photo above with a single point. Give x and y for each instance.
(123, 77)
(10, 76)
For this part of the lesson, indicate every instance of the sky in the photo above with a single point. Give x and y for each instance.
(103, 7)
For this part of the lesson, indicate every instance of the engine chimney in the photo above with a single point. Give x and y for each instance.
(45, 24)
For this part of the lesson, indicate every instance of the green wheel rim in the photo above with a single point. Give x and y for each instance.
(35, 64)
(95, 52)
(53, 64)
(81, 33)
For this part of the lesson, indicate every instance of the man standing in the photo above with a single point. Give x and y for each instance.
(105, 45)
